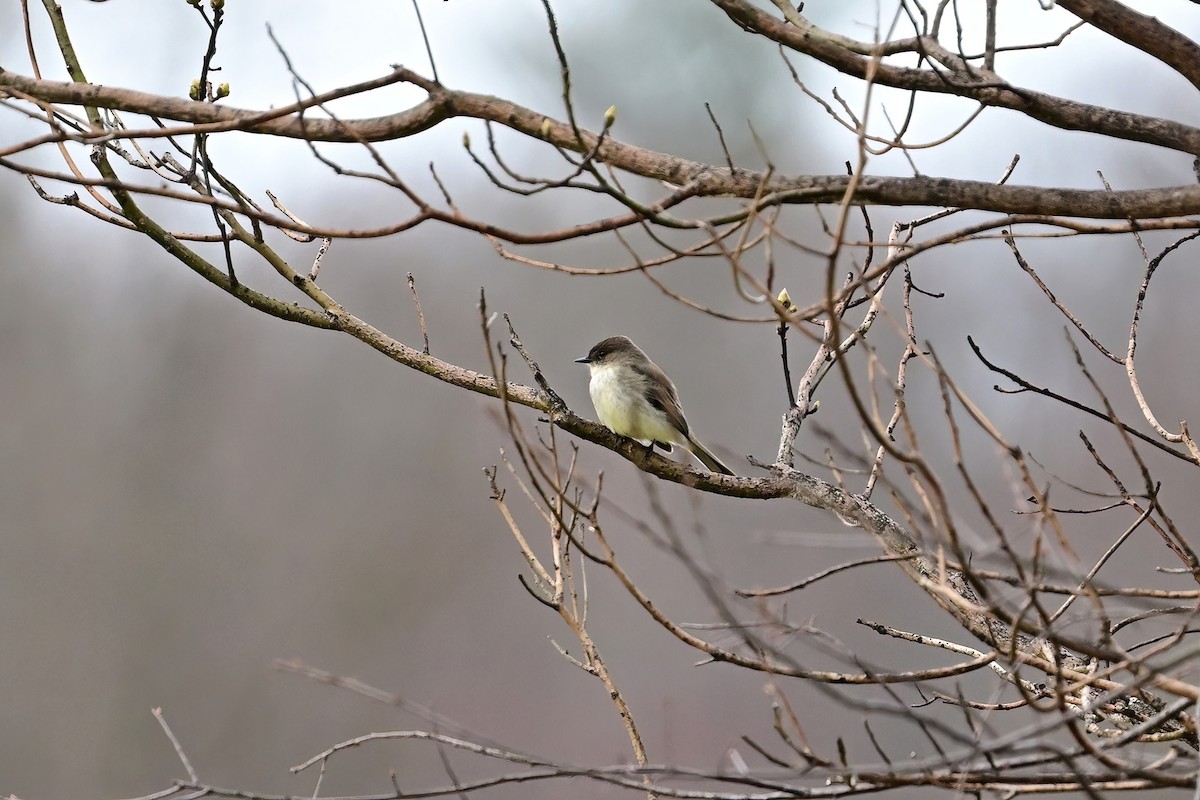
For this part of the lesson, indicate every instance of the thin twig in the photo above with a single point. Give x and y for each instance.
(187, 765)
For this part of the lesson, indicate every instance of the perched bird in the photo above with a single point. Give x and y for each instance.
(634, 398)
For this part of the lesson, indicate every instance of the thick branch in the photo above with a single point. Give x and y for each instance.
(978, 84)
(707, 180)
(1141, 31)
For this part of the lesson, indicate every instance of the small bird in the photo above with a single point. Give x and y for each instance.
(634, 398)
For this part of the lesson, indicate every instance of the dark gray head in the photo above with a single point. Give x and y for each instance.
(611, 349)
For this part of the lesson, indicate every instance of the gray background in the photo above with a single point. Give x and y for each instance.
(189, 490)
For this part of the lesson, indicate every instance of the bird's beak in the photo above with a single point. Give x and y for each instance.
(584, 360)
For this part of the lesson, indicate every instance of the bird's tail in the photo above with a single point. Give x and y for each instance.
(706, 458)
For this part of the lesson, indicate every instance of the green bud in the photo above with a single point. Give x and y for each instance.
(223, 91)
(194, 90)
(610, 116)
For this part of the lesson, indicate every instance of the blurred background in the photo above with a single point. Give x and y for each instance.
(190, 490)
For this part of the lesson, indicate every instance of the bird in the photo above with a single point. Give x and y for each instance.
(635, 398)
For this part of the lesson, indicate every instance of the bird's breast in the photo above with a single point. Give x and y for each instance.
(622, 406)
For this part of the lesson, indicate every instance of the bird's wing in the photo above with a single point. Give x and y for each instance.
(660, 393)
